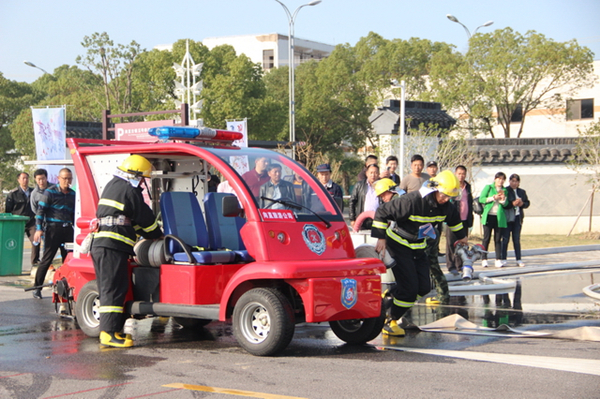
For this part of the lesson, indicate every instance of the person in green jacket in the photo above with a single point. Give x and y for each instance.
(494, 197)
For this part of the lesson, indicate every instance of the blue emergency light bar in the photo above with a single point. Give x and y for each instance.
(191, 133)
(174, 132)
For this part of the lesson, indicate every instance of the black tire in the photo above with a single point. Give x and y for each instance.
(357, 331)
(87, 309)
(187, 322)
(263, 321)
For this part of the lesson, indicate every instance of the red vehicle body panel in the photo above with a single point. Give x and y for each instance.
(281, 249)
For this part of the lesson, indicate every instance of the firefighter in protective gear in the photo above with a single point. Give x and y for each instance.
(383, 186)
(122, 214)
(414, 214)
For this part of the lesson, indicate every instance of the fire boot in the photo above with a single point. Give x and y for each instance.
(392, 328)
(115, 339)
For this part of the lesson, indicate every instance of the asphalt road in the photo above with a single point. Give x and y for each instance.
(43, 356)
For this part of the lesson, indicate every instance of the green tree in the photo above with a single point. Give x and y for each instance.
(505, 71)
(233, 89)
(382, 61)
(15, 97)
(332, 104)
(67, 85)
(113, 65)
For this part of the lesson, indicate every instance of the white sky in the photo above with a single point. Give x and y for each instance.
(49, 33)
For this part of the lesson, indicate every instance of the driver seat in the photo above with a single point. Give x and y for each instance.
(186, 236)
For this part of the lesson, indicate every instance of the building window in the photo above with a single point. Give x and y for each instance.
(580, 109)
(516, 117)
(268, 59)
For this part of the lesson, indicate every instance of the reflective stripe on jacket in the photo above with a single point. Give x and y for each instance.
(121, 198)
(411, 211)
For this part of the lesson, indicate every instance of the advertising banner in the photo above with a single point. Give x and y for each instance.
(241, 127)
(240, 163)
(50, 130)
(138, 131)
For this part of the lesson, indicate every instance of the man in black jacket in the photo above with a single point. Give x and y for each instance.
(120, 208)
(517, 202)
(17, 203)
(363, 196)
(275, 189)
(465, 208)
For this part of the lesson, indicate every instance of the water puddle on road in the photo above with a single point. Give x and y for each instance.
(545, 298)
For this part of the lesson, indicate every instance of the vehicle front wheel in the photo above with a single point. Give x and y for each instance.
(263, 321)
(87, 309)
(357, 331)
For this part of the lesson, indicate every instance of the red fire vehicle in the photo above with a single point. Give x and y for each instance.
(264, 263)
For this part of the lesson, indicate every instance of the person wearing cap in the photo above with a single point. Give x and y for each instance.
(432, 171)
(324, 176)
(406, 240)
(432, 168)
(122, 214)
(385, 189)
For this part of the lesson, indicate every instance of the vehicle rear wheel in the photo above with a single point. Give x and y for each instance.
(357, 331)
(187, 322)
(263, 321)
(87, 309)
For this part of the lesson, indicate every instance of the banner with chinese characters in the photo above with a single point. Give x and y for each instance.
(239, 163)
(241, 127)
(50, 130)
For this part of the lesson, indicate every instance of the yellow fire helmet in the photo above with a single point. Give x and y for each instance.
(383, 185)
(136, 165)
(446, 183)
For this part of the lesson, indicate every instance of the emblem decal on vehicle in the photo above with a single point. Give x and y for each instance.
(314, 239)
(349, 292)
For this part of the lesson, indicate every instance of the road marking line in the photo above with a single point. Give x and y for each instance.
(87, 390)
(227, 391)
(583, 366)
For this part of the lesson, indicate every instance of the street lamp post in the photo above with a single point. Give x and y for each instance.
(31, 64)
(292, 117)
(469, 35)
(402, 126)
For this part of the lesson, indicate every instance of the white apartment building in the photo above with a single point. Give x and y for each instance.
(270, 50)
(578, 111)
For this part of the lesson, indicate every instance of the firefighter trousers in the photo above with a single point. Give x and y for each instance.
(112, 277)
(441, 284)
(412, 277)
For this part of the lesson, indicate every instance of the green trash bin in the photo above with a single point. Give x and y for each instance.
(12, 231)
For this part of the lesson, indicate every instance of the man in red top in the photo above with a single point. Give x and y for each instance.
(258, 176)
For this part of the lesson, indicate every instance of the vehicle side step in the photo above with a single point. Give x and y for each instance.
(174, 310)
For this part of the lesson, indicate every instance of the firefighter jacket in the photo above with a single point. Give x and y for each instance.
(410, 212)
(121, 198)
